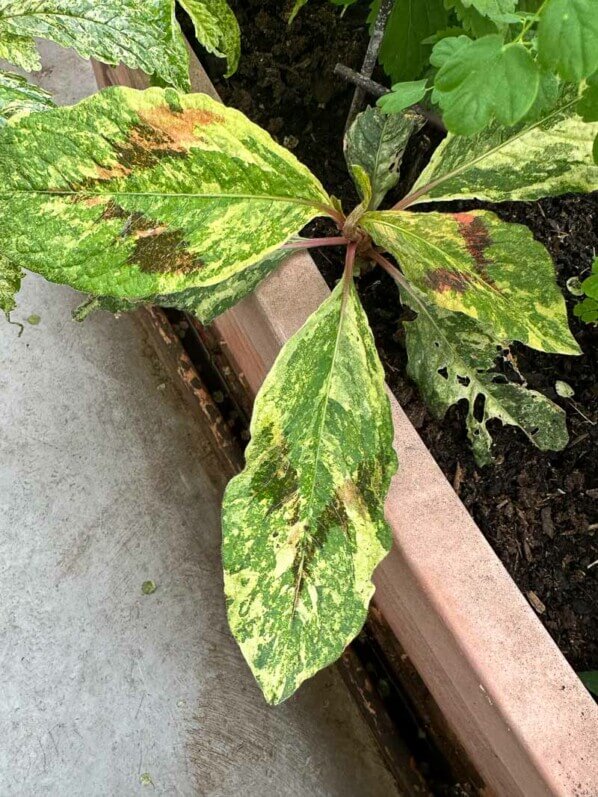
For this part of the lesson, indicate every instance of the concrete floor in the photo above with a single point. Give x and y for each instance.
(105, 484)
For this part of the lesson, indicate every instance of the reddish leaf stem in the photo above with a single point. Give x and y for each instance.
(316, 242)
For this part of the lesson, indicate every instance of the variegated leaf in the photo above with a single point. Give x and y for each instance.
(206, 303)
(550, 157)
(143, 194)
(376, 142)
(19, 50)
(216, 29)
(304, 523)
(17, 95)
(143, 35)
(10, 283)
(451, 358)
(476, 264)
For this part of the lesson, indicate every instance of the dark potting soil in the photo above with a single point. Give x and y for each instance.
(539, 511)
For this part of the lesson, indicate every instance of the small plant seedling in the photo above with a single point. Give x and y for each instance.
(157, 196)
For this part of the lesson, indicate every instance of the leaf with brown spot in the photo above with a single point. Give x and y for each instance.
(476, 264)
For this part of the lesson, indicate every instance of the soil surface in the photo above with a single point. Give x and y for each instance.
(538, 510)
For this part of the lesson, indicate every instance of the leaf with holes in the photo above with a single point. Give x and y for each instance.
(451, 358)
(476, 264)
(17, 96)
(403, 53)
(217, 29)
(145, 194)
(550, 157)
(304, 523)
(10, 284)
(141, 35)
(486, 80)
(568, 38)
(376, 142)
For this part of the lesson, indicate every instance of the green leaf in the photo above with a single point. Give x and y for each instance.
(568, 38)
(142, 35)
(549, 157)
(588, 105)
(476, 264)
(403, 53)
(17, 95)
(590, 680)
(402, 95)
(19, 50)
(217, 29)
(446, 48)
(376, 142)
(451, 358)
(470, 18)
(588, 309)
(10, 284)
(145, 194)
(304, 523)
(484, 80)
(493, 9)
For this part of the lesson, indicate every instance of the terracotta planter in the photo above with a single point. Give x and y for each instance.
(517, 707)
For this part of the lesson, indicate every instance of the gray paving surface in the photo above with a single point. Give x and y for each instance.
(104, 484)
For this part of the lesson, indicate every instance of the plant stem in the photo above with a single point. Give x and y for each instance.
(528, 24)
(371, 56)
(394, 272)
(314, 242)
(349, 268)
(378, 90)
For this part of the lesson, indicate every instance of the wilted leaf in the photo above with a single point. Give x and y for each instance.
(138, 195)
(377, 142)
(550, 157)
(142, 35)
(17, 95)
(304, 523)
(484, 80)
(568, 38)
(451, 358)
(216, 28)
(476, 264)
(403, 53)
(10, 284)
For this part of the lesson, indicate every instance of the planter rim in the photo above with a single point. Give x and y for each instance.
(520, 711)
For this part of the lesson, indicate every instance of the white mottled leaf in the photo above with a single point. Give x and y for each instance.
(17, 95)
(216, 29)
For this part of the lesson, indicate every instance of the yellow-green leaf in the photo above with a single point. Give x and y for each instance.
(217, 29)
(143, 35)
(476, 264)
(143, 194)
(19, 50)
(304, 523)
(17, 95)
(10, 283)
(451, 358)
(550, 157)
